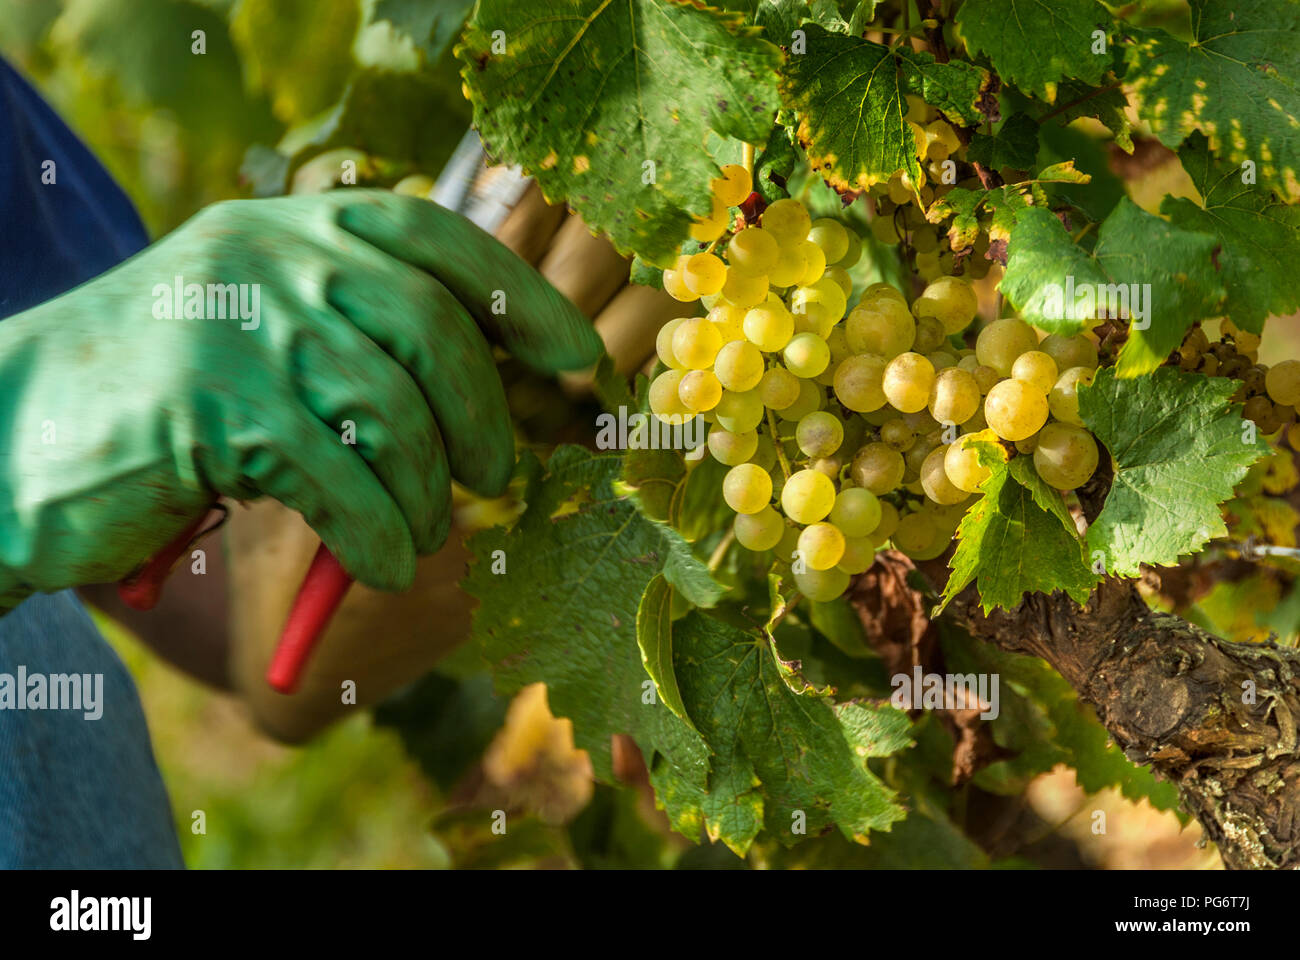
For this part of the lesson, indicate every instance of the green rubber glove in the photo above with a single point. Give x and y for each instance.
(119, 422)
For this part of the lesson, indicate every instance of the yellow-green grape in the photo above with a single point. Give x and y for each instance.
(859, 555)
(747, 488)
(744, 291)
(925, 239)
(1066, 456)
(739, 412)
(759, 531)
(985, 377)
(962, 464)
(710, 228)
(791, 264)
(765, 454)
(730, 448)
(696, 343)
(769, 327)
(831, 236)
(1037, 369)
(856, 512)
(858, 383)
(929, 335)
(941, 360)
(664, 344)
(806, 355)
(1076, 351)
(884, 230)
(788, 221)
(675, 283)
(778, 388)
(853, 251)
(1015, 410)
(704, 274)
(880, 289)
(729, 321)
(808, 496)
(821, 545)
(822, 586)
(819, 434)
(785, 550)
(898, 435)
(968, 362)
(734, 186)
(664, 401)
(753, 252)
(884, 328)
(915, 533)
(1002, 341)
(739, 366)
(888, 524)
(841, 279)
(1064, 398)
(878, 468)
(1028, 445)
(1283, 382)
(955, 396)
(838, 342)
(809, 400)
(415, 185)
(907, 382)
(899, 187)
(934, 479)
(814, 262)
(699, 390)
(975, 423)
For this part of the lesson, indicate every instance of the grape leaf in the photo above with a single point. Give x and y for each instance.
(1015, 145)
(1136, 247)
(1260, 236)
(1142, 266)
(1037, 45)
(850, 95)
(779, 18)
(609, 105)
(654, 636)
(778, 752)
(1179, 448)
(963, 206)
(432, 25)
(1018, 538)
(1107, 104)
(1042, 721)
(1236, 82)
(1103, 190)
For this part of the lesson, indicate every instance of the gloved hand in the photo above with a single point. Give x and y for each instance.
(120, 422)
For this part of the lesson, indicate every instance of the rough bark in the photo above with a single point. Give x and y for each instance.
(1216, 717)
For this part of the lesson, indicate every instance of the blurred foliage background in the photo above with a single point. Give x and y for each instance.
(281, 92)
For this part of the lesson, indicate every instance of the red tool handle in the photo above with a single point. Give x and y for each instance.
(319, 596)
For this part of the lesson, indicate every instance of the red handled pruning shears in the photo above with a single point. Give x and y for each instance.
(321, 592)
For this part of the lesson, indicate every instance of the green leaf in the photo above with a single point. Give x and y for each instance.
(1139, 259)
(431, 24)
(1236, 82)
(1106, 104)
(302, 72)
(777, 753)
(1179, 448)
(1040, 255)
(589, 94)
(1017, 538)
(654, 636)
(1259, 235)
(1103, 190)
(850, 96)
(1041, 720)
(1037, 45)
(964, 206)
(1015, 145)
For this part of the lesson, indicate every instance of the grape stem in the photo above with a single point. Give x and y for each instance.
(720, 551)
(747, 157)
(776, 442)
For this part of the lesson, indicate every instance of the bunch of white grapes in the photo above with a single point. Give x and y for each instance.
(900, 203)
(843, 429)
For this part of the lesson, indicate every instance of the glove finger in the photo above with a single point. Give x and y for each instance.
(510, 300)
(379, 415)
(421, 325)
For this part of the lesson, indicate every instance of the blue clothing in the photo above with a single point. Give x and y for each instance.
(76, 791)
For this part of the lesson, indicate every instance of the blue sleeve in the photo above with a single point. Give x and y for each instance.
(57, 234)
